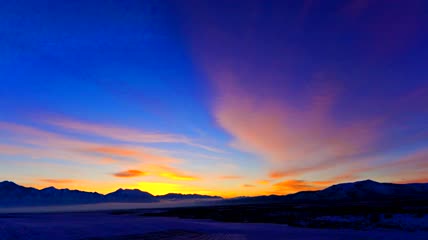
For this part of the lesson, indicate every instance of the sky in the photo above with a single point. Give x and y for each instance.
(229, 98)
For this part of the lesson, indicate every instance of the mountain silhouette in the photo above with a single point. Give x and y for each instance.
(130, 195)
(180, 196)
(367, 190)
(12, 194)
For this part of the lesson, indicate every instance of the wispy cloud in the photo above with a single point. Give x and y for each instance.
(263, 182)
(292, 186)
(412, 162)
(33, 153)
(129, 173)
(56, 181)
(38, 143)
(124, 134)
(179, 176)
(302, 139)
(114, 151)
(138, 154)
(414, 180)
(114, 132)
(170, 172)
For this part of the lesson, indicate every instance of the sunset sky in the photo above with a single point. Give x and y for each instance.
(227, 98)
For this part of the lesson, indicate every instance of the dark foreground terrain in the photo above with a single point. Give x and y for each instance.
(364, 210)
(406, 215)
(130, 225)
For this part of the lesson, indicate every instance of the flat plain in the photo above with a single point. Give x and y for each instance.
(110, 226)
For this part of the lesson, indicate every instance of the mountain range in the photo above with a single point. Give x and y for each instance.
(12, 194)
(367, 190)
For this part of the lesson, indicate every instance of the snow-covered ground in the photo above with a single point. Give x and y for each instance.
(405, 221)
(103, 225)
(106, 206)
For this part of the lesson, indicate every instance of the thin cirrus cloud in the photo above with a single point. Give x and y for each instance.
(263, 182)
(139, 154)
(35, 152)
(300, 125)
(291, 186)
(39, 143)
(160, 171)
(283, 134)
(125, 134)
(175, 174)
(129, 173)
(310, 168)
(412, 166)
(304, 136)
(297, 185)
(413, 180)
(56, 181)
(409, 162)
(114, 151)
(179, 176)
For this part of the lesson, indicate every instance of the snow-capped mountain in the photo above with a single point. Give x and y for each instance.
(12, 194)
(179, 196)
(130, 195)
(365, 190)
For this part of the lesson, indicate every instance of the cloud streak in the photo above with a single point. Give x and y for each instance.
(39, 143)
(129, 173)
(248, 185)
(56, 181)
(175, 174)
(301, 117)
(124, 134)
(287, 136)
(292, 186)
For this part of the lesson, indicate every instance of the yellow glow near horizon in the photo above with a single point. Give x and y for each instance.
(160, 188)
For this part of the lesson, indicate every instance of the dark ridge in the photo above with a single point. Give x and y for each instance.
(12, 194)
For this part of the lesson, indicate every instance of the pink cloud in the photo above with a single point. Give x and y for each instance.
(56, 181)
(40, 143)
(176, 174)
(123, 133)
(129, 173)
(40, 153)
(292, 186)
(414, 180)
(263, 182)
(303, 139)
